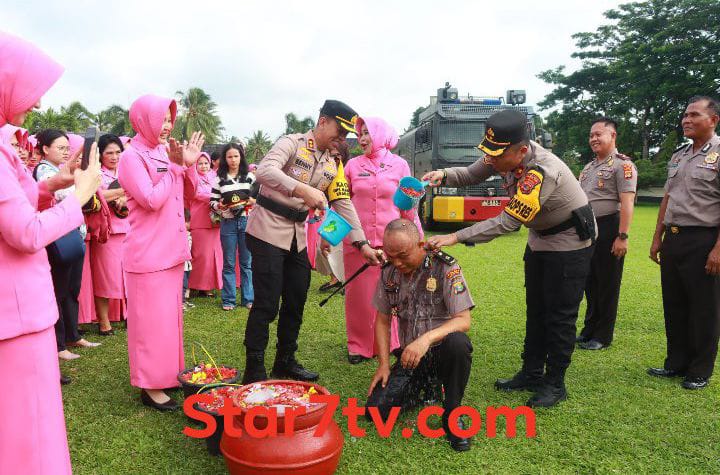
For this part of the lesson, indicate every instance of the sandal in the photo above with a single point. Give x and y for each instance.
(228, 308)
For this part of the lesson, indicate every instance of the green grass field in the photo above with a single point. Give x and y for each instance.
(616, 420)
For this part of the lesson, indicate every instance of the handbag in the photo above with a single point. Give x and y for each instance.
(67, 248)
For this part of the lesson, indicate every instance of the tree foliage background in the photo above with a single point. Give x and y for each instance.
(640, 68)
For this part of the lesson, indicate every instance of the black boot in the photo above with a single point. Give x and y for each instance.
(254, 368)
(458, 444)
(287, 367)
(552, 390)
(522, 381)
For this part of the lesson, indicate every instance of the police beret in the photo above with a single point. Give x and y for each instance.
(341, 112)
(503, 129)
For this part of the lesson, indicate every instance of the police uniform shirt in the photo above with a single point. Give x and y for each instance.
(293, 160)
(544, 193)
(693, 187)
(604, 180)
(423, 300)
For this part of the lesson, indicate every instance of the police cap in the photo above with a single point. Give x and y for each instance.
(503, 129)
(341, 112)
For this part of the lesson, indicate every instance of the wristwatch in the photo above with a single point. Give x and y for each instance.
(359, 244)
(623, 236)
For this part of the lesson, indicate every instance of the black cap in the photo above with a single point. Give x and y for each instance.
(503, 129)
(341, 112)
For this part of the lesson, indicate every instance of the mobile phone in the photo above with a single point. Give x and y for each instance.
(92, 134)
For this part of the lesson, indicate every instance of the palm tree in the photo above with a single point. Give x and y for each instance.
(258, 144)
(197, 112)
(293, 125)
(114, 119)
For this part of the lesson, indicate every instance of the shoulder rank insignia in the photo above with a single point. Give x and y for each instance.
(680, 147)
(706, 147)
(622, 156)
(445, 257)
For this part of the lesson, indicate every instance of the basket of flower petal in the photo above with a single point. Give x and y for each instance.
(193, 379)
(220, 393)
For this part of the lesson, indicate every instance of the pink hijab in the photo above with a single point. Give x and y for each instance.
(26, 73)
(75, 142)
(147, 114)
(209, 177)
(8, 130)
(383, 136)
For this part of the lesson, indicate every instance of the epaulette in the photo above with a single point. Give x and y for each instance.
(680, 147)
(622, 156)
(445, 257)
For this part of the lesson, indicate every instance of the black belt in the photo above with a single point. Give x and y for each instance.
(673, 229)
(558, 228)
(281, 209)
(582, 219)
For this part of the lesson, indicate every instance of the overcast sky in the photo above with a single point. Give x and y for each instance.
(261, 59)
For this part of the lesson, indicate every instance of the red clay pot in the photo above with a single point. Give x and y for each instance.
(300, 453)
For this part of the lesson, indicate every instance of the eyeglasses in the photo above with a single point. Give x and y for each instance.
(62, 148)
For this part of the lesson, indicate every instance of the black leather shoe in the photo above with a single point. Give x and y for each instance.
(592, 345)
(547, 396)
(664, 373)
(695, 383)
(169, 405)
(65, 380)
(580, 339)
(458, 444)
(520, 382)
(355, 359)
(289, 368)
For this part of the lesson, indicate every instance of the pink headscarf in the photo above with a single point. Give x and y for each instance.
(75, 142)
(147, 114)
(124, 139)
(383, 136)
(8, 130)
(26, 73)
(208, 177)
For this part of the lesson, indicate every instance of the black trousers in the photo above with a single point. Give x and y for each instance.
(67, 278)
(277, 274)
(691, 301)
(603, 284)
(449, 361)
(554, 285)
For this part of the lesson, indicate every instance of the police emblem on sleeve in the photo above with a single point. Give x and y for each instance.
(526, 202)
(628, 170)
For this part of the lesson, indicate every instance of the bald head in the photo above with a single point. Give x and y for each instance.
(402, 245)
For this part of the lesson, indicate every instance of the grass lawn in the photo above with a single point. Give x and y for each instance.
(616, 420)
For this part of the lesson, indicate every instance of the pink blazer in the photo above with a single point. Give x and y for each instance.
(197, 199)
(372, 186)
(157, 239)
(27, 300)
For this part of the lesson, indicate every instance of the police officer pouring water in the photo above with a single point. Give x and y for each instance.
(548, 199)
(686, 244)
(610, 182)
(295, 176)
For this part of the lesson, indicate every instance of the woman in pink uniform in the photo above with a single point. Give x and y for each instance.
(106, 258)
(155, 247)
(33, 439)
(373, 178)
(207, 257)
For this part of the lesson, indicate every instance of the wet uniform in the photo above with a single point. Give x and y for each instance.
(691, 297)
(423, 301)
(603, 181)
(547, 199)
(276, 237)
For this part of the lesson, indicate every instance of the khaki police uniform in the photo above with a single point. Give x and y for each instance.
(603, 181)
(691, 297)
(276, 237)
(423, 301)
(557, 258)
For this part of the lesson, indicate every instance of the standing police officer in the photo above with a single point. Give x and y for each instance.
(548, 200)
(294, 177)
(610, 183)
(686, 244)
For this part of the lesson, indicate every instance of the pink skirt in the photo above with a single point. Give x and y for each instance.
(207, 260)
(33, 439)
(155, 327)
(359, 310)
(116, 310)
(106, 265)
